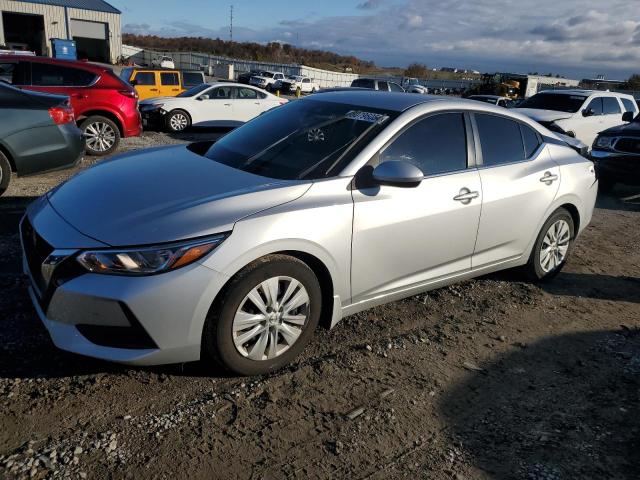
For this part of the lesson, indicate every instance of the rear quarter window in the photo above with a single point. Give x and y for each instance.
(629, 105)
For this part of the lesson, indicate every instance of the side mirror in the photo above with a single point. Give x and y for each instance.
(203, 97)
(133, 82)
(588, 112)
(398, 174)
(627, 117)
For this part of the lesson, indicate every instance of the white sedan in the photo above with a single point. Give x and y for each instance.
(221, 104)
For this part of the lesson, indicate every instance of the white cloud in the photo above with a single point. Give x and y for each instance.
(571, 36)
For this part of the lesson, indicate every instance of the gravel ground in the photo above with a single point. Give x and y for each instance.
(495, 378)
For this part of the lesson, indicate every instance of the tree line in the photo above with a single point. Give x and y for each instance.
(271, 52)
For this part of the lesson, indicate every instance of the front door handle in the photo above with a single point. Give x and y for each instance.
(153, 89)
(227, 104)
(549, 178)
(465, 196)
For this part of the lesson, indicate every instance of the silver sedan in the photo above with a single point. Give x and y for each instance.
(236, 251)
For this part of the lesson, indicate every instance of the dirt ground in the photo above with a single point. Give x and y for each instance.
(495, 378)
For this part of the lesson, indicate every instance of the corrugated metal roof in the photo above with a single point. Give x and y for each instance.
(96, 5)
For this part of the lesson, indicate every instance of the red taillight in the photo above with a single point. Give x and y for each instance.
(129, 93)
(61, 115)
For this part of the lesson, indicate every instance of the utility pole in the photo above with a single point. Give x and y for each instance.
(231, 23)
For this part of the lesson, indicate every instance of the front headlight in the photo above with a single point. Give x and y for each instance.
(151, 106)
(604, 142)
(147, 260)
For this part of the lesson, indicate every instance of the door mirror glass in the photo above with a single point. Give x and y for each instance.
(203, 97)
(627, 117)
(398, 174)
(133, 82)
(588, 112)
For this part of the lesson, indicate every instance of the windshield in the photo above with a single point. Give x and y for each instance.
(193, 91)
(306, 139)
(267, 74)
(555, 101)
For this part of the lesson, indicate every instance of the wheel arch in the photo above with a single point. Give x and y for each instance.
(103, 113)
(7, 153)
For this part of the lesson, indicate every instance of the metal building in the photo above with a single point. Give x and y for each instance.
(93, 24)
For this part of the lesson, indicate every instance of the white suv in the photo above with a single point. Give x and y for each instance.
(266, 79)
(579, 113)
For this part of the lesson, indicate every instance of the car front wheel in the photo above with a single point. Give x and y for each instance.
(264, 317)
(552, 247)
(178, 121)
(101, 135)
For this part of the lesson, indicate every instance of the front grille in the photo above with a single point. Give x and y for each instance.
(36, 250)
(628, 145)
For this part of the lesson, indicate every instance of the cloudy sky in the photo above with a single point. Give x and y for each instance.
(580, 38)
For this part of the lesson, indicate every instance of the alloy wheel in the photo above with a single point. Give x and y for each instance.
(178, 122)
(271, 318)
(100, 136)
(555, 245)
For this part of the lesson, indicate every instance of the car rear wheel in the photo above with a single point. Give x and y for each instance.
(5, 173)
(265, 316)
(552, 247)
(178, 121)
(101, 135)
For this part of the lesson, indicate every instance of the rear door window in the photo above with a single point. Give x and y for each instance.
(436, 145)
(16, 73)
(610, 106)
(500, 139)
(364, 83)
(394, 87)
(384, 86)
(169, 78)
(50, 75)
(244, 93)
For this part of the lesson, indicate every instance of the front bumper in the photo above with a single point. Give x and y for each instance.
(145, 320)
(152, 118)
(617, 167)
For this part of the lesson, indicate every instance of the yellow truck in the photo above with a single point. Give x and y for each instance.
(152, 82)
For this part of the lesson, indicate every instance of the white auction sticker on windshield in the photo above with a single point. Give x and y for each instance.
(365, 116)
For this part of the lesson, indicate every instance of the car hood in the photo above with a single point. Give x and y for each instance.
(544, 115)
(156, 100)
(628, 129)
(165, 194)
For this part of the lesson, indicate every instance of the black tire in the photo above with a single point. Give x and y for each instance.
(217, 339)
(97, 128)
(533, 268)
(5, 173)
(175, 126)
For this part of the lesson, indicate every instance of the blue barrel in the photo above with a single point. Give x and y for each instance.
(65, 49)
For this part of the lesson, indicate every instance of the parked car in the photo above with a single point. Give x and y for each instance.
(374, 84)
(245, 77)
(578, 113)
(192, 78)
(151, 83)
(163, 62)
(505, 102)
(222, 104)
(235, 251)
(266, 79)
(412, 85)
(106, 108)
(295, 84)
(616, 153)
(37, 133)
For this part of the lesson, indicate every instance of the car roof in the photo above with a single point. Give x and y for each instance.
(495, 97)
(585, 92)
(393, 101)
(94, 67)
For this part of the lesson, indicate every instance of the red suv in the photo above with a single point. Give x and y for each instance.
(106, 108)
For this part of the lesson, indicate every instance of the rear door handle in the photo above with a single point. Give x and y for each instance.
(153, 89)
(549, 178)
(465, 196)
